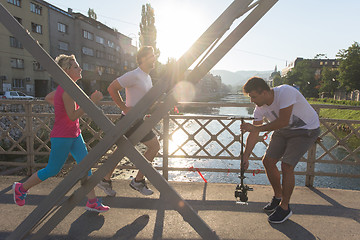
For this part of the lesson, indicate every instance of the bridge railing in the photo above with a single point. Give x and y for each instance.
(25, 143)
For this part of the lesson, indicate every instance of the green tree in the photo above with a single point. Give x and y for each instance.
(147, 28)
(92, 14)
(349, 69)
(328, 80)
(278, 80)
(303, 76)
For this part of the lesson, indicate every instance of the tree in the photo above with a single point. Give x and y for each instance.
(349, 68)
(303, 77)
(328, 81)
(277, 80)
(92, 14)
(147, 28)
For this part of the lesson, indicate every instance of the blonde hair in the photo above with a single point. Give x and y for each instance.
(65, 61)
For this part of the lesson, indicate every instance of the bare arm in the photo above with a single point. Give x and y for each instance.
(282, 121)
(50, 97)
(113, 90)
(251, 141)
(70, 106)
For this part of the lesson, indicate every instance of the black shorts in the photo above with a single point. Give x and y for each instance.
(147, 137)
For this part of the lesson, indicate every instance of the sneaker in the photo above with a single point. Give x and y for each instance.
(280, 215)
(97, 206)
(19, 196)
(271, 206)
(141, 187)
(107, 187)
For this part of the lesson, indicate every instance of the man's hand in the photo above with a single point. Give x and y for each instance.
(245, 164)
(248, 127)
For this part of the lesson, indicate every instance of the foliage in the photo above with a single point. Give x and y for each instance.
(147, 28)
(303, 76)
(278, 80)
(333, 101)
(328, 80)
(92, 14)
(349, 69)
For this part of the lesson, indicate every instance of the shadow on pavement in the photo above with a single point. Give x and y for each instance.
(293, 230)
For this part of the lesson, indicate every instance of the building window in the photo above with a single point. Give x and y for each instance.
(62, 27)
(88, 35)
(17, 63)
(110, 70)
(100, 40)
(18, 83)
(100, 54)
(15, 2)
(100, 70)
(35, 8)
(111, 57)
(321, 63)
(125, 63)
(36, 28)
(63, 46)
(88, 67)
(111, 44)
(37, 66)
(88, 51)
(326, 63)
(15, 43)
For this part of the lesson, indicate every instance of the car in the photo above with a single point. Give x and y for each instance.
(15, 95)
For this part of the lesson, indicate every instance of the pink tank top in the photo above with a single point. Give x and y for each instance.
(63, 126)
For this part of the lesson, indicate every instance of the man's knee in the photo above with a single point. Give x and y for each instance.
(153, 144)
(269, 162)
(287, 168)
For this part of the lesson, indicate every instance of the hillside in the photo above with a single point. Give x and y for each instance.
(240, 77)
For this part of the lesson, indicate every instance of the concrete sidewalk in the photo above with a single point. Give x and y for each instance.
(318, 213)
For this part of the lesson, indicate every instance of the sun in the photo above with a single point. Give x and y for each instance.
(178, 24)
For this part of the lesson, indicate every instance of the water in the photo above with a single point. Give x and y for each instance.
(259, 150)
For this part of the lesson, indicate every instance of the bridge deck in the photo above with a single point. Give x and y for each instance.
(318, 213)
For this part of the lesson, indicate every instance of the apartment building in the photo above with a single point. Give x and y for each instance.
(18, 69)
(102, 52)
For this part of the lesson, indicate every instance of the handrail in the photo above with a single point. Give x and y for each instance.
(31, 120)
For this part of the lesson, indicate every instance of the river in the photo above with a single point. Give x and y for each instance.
(253, 178)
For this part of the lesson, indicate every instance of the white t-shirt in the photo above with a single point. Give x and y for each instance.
(136, 83)
(303, 116)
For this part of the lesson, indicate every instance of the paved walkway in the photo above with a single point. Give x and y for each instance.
(318, 214)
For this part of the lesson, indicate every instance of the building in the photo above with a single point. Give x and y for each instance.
(18, 69)
(317, 64)
(103, 53)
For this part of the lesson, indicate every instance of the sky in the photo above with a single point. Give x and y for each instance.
(291, 28)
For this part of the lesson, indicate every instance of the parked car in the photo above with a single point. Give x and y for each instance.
(15, 95)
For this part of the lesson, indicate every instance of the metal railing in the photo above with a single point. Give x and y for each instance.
(25, 129)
